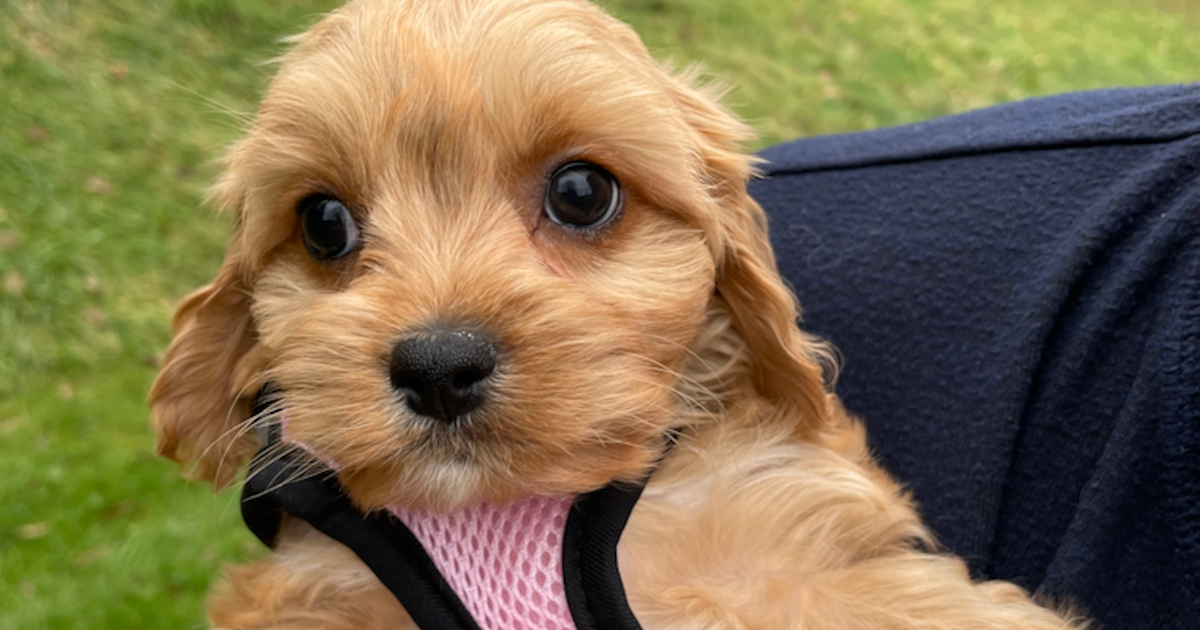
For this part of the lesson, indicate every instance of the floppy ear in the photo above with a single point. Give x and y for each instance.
(208, 380)
(786, 365)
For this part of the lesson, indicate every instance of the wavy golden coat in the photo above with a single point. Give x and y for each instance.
(437, 125)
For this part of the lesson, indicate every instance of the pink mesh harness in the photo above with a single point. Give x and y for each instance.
(505, 562)
(538, 563)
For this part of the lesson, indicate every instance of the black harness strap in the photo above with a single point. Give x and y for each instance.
(592, 579)
(379, 539)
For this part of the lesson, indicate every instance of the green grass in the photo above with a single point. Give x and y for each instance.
(111, 113)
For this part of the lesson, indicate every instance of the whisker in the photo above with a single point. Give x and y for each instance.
(240, 429)
(243, 119)
(232, 435)
(697, 398)
(308, 468)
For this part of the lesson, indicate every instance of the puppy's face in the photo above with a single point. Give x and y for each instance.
(476, 244)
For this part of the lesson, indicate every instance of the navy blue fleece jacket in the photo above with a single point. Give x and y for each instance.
(1016, 294)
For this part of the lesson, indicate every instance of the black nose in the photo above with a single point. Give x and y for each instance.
(443, 374)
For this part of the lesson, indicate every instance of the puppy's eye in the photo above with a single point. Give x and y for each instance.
(582, 195)
(329, 230)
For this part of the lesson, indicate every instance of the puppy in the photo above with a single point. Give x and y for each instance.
(519, 183)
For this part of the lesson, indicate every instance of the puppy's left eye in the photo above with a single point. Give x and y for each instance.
(329, 230)
(582, 195)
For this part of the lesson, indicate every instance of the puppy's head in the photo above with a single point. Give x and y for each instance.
(484, 248)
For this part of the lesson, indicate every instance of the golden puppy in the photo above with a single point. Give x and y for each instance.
(519, 182)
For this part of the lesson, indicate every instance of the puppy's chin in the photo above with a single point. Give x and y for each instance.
(446, 478)
(441, 485)
(514, 445)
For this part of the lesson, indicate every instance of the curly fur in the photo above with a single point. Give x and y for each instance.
(437, 123)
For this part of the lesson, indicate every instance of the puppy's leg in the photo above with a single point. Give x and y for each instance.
(310, 581)
(743, 527)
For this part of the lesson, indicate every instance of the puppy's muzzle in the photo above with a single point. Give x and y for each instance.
(443, 374)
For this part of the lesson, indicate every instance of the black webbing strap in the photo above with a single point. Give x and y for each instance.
(592, 579)
(380, 540)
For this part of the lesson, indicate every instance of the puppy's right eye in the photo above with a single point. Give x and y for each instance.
(329, 230)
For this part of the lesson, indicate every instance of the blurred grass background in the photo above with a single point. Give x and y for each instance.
(112, 111)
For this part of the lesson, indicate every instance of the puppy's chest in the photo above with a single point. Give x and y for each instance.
(505, 563)
(706, 534)
(748, 535)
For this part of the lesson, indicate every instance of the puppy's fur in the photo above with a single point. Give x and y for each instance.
(438, 124)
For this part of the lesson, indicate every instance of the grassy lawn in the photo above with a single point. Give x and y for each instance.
(112, 111)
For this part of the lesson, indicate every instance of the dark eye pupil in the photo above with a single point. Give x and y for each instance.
(328, 229)
(581, 195)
